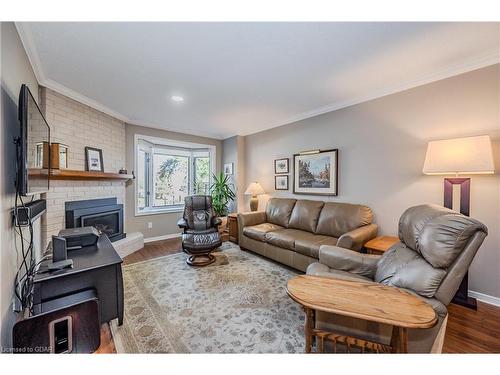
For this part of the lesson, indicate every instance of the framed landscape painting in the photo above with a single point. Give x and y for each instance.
(316, 173)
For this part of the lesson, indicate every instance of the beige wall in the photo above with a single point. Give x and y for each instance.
(165, 223)
(77, 126)
(15, 70)
(382, 145)
(233, 150)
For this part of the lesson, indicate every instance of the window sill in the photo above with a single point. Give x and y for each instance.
(159, 211)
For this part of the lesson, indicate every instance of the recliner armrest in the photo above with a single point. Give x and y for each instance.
(181, 223)
(356, 238)
(347, 260)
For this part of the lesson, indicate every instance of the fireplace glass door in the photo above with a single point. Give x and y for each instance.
(107, 222)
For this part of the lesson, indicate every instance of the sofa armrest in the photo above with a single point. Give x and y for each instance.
(356, 238)
(347, 260)
(181, 223)
(246, 219)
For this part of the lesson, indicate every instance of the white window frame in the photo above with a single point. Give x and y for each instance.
(168, 143)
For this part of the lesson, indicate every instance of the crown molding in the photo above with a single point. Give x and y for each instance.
(487, 59)
(63, 90)
(24, 31)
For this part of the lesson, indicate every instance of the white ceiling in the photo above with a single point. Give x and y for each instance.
(241, 78)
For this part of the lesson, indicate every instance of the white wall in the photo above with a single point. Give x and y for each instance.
(15, 70)
(382, 145)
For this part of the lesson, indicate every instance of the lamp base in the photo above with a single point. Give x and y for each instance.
(461, 297)
(254, 203)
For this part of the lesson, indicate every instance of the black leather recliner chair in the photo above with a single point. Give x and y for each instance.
(201, 234)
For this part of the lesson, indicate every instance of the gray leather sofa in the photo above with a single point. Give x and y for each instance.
(437, 246)
(291, 231)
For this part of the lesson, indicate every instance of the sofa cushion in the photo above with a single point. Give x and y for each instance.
(285, 238)
(336, 219)
(309, 245)
(279, 210)
(258, 232)
(305, 215)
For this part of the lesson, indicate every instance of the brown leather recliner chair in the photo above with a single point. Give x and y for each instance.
(437, 246)
(201, 234)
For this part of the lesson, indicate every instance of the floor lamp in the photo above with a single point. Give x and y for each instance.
(460, 156)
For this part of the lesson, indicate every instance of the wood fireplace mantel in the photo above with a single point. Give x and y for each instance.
(70, 174)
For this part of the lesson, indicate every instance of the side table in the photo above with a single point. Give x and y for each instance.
(371, 302)
(233, 227)
(380, 245)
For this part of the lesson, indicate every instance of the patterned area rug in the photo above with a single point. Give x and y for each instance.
(236, 305)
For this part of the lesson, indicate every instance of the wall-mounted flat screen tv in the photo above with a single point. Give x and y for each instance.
(33, 147)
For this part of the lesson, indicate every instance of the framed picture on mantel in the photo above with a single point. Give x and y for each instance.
(93, 159)
(316, 172)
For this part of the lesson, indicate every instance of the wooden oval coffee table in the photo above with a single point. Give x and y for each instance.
(367, 301)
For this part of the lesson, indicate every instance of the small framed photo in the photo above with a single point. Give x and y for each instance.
(281, 182)
(281, 166)
(93, 159)
(228, 168)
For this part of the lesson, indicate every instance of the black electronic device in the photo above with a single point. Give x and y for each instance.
(59, 255)
(33, 147)
(68, 324)
(76, 238)
(29, 212)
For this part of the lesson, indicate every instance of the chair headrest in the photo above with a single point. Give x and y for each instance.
(198, 202)
(438, 234)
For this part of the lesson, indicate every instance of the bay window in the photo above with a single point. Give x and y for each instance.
(168, 171)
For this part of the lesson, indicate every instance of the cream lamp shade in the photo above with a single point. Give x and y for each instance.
(254, 189)
(470, 155)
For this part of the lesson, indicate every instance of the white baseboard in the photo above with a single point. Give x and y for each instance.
(485, 298)
(164, 237)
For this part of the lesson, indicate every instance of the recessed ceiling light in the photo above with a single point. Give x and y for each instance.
(177, 98)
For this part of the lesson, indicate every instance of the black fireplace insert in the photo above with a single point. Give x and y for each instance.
(105, 214)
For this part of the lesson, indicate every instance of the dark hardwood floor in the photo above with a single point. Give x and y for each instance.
(154, 250)
(468, 331)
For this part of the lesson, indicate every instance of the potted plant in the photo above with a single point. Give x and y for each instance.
(222, 194)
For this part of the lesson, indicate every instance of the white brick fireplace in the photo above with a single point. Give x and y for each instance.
(77, 125)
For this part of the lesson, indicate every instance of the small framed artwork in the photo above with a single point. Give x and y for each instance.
(228, 168)
(281, 166)
(281, 182)
(93, 159)
(316, 172)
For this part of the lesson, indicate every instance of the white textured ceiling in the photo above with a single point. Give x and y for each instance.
(241, 78)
